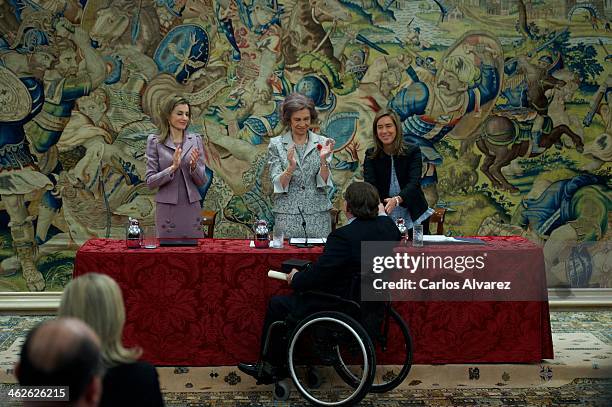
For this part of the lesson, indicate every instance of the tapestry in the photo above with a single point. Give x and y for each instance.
(508, 100)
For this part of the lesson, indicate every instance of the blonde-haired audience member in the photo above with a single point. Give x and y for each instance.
(96, 299)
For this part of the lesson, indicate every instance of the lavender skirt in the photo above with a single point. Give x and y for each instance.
(179, 220)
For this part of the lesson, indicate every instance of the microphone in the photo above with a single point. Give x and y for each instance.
(305, 244)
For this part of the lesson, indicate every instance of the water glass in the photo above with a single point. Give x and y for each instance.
(278, 235)
(417, 235)
(149, 240)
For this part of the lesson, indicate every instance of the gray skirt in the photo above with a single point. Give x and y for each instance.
(317, 224)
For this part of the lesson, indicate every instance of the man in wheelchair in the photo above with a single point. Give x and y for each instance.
(333, 274)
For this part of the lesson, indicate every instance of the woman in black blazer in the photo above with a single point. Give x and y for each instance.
(399, 185)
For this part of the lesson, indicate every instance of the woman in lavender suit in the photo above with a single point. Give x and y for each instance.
(175, 165)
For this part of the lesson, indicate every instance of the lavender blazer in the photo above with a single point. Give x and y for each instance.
(159, 175)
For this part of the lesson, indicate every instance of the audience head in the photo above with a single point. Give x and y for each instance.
(96, 299)
(387, 134)
(361, 200)
(63, 352)
(294, 105)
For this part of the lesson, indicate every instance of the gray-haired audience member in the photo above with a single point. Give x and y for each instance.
(63, 352)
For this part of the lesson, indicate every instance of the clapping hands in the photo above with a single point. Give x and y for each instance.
(291, 157)
(194, 156)
(328, 148)
(193, 159)
(176, 159)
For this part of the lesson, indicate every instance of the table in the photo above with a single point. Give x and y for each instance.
(204, 306)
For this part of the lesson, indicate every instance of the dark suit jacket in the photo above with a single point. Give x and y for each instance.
(377, 171)
(131, 384)
(341, 260)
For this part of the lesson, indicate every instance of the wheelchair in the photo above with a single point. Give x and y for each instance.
(336, 357)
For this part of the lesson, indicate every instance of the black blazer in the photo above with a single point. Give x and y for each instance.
(341, 259)
(377, 171)
(131, 384)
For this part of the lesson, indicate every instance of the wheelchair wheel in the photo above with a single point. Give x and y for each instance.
(322, 343)
(282, 390)
(393, 357)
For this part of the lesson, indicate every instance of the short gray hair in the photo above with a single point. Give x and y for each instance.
(295, 102)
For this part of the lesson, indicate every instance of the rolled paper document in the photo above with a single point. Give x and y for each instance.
(277, 275)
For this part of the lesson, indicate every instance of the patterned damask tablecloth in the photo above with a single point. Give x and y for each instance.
(204, 306)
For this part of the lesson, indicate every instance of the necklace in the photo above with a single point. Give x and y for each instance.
(300, 151)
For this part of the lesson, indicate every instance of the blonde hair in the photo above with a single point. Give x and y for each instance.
(96, 300)
(164, 115)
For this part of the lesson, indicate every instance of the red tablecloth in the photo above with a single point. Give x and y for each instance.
(204, 306)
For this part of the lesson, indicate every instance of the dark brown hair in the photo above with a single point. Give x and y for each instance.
(398, 144)
(362, 200)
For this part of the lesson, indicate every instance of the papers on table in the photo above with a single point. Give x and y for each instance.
(440, 239)
(311, 240)
(427, 239)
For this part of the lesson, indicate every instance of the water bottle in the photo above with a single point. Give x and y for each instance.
(262, 234)
(133, 234)
(401, 226)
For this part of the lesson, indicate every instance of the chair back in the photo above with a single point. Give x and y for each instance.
(208, 222)
(438, 218)
(334, 214)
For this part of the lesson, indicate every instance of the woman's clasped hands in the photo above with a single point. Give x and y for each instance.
(391, 203)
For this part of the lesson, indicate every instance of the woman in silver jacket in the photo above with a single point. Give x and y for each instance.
(300, 171)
